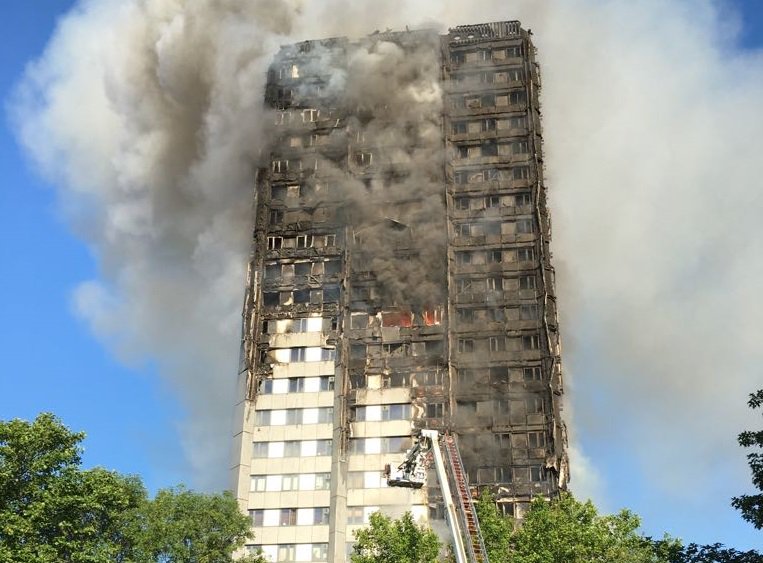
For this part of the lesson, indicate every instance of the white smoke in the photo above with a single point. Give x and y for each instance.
(146, 114)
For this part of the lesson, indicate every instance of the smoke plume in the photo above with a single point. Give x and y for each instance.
(147, 114)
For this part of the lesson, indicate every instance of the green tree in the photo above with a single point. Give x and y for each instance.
(395, 541)
(751, 506)
(565, 530)
(52, 510)
(181, 526)
(496, 528)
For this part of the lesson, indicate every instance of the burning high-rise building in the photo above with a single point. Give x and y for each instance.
(400, 279)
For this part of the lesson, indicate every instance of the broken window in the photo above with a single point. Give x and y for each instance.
(531, 342)
(310, 115)
(489, 148)
(462, 151)
(396, 380)
(499, 375)
(532, 373)
(302, 269)
(435, 410)
(502, 440)
(495, 315)
(520, 147)
(301, 296)
(534, 405)
(431, 378)
(464, 229)
(397, 318)
(464, 257)
(433, 347)
(363, 158)
(519, 122)
(458, 57)
(492, 201)
(304, 241)
(524, 198)
(278, 193)
(357, 351)
(465, 346)
(461, 177)
(331, 294)
(497, 343)
(488, 124)
(276, 216)
(536, 439)
(432, 317)
(536, 474)
(514, 51)
(528, 312)
(494, 256)
(515, 74)
(525, 254)
(462, 203)
(465, 316)
(463, 285)
(459, 127)
(280, 166)
(517, 97)
(359, 320)
(527, 282)
(271, 298)
(272, 271)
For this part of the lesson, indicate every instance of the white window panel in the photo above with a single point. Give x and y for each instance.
(314, 324)
(419, 511)
(305, 516)
(309, 416)
(372, 480)
(257, 483)
(304, 552)
(280, 386)
(270, 552)
(312, 384)
(373, 412)
(309, 448)
(273, 483)
(313, 354)
(275, 449)
(307, 482)
(373, 445)
(277, 417)
(282, 355)
(271, 517)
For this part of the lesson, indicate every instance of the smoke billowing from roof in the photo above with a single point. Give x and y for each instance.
(146, 113)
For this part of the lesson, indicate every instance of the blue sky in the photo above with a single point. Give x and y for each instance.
(52, 362)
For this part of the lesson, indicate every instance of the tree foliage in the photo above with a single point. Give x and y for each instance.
(53, 510)
(751, 506)
(565, 530)
(496, 528)
(387, 540)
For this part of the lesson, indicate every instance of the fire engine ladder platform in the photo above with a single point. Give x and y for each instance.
(475, 545)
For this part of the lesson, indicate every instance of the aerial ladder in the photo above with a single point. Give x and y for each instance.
(468, 545)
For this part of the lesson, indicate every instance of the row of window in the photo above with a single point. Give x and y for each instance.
(492, 148)
(516, 475)
(383, 445)
(498, 375)
(366, 480)
(301, 241)
(394, 318)
(291, 448)
(491, 175)
(478, 55)
(493, 228)
(490, 76)
(497, 407)
(302, 354)
(283, 417)
(496, 256)
(465, 203)
(290, 516)
(308, 115)
(281, 193)
(284, 271)
(292, 553)
(504, 440)
(298, 325)
(290, 482)
(325, 294)
(495, 283)
(361, 351)
(371, 413)
(391, 380)
(488, 124)
(491, 100)
(526, 312)
(498, 344)
(297, 385)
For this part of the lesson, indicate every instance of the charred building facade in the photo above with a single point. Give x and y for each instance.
(400, 278)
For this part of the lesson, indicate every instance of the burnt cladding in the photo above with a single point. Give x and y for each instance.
(400, 278)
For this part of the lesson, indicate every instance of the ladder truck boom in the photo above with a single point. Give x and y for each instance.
(468, 544)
